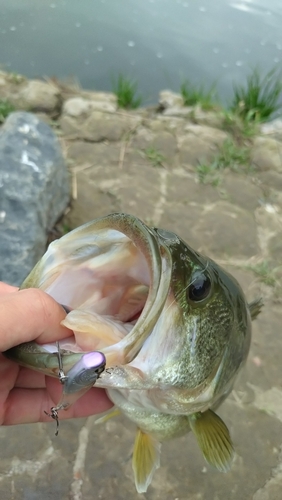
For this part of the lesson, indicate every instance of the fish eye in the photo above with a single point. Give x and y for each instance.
(199, 288)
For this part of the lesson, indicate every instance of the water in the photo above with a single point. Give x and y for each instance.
(156, 42)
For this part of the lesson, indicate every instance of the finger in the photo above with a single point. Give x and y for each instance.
(28, 405)
(30, 379)
(28, 315)
(5, 288)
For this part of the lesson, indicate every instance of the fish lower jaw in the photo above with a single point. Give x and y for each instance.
(128, 385)
(164, 402)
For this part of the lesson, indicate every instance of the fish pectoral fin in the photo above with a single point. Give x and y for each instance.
(255, 307)
(105, 418)
(213, 438)
(145, 460)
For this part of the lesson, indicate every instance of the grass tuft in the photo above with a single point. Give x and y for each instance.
(259, 99)
(192, 95)
(240, 128)
(230, 156)
(6, 108)
(16, 78)
(154, 156)
(126, 92)
(264, 272)
(207, 174)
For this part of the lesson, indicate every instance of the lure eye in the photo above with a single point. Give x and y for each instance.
(199, 288)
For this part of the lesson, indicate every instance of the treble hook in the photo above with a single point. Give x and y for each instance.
(62, 377)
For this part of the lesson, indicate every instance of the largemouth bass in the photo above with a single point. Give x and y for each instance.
(172, 327)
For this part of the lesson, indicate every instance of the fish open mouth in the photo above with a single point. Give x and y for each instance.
(106, 295)
(113, 283)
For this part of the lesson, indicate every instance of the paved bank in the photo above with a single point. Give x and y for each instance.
(147, 162)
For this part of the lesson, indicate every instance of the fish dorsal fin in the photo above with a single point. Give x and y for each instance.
(213, 438)
(145, 460)
(255, 307)
(102, 420)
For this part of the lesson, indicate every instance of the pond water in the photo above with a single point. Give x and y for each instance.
(156, 42)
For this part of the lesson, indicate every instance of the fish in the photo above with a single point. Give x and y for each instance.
(164, 329)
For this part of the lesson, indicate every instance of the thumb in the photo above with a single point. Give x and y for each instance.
(30, 314)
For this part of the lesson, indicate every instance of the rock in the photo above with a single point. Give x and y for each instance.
(209, 118)
(93, 96)
(228, 230)
(34, 192)
(10, 84)
(11, 79)
(271, 179)
(168, 99)
(268, 221)
(182, 219)
(39, 96)
(2, 79)
(216, 228)
(175, 125)
(162, 143)
(267, 154)
(273, 129)
(104, 189)
(155, 124)
(99, 126)
(94, 153)
(30, 95)
(132, 200)
(196, 114)
(185, 189)
(180, 112)
(199, 144)
(275, 246)
(91, 201)
(244, 194)
(77, 106)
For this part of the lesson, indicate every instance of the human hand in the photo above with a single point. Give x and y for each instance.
(27, 315)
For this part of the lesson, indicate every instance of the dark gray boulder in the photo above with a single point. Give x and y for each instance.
(34, 192)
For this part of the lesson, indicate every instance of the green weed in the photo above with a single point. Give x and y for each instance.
(192, 95)
(6, 108)
(240, 128)
(264, 272)
(16, 78)
(154, 156)
(207, 174)
(229, 156)
(259, 98)
(66, 228)
(232, 156)
(126, 92)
